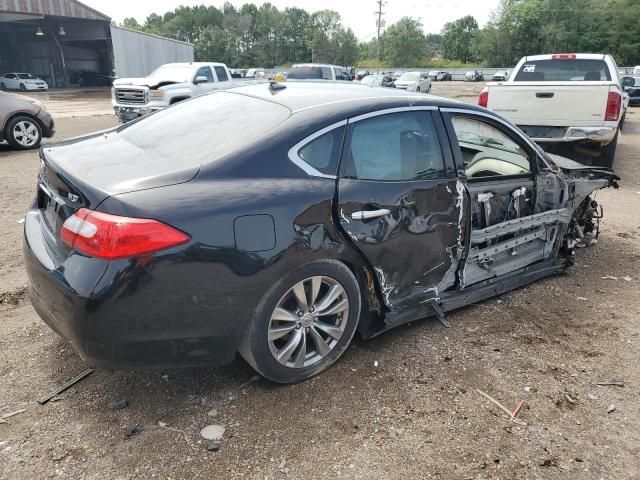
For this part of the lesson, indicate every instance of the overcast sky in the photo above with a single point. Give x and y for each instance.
(357, 14)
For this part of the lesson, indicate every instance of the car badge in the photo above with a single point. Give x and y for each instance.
(72, 197)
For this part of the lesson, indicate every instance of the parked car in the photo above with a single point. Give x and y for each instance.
(24, 121)
(255, 73)
(473, 76)
(86, 78)
(237, 73)
(378, 81)
(414, 82)
(169, 84)
(636, 70)
(500, 76)
(177, 241)
(436, 76)
(22, 81)
(360, 74)
(569, 103)
(317, 71)
(397, 74)
(631, 85)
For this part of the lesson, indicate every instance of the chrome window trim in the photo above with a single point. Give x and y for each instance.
(464, 111)
(387, 111)
(297, 160)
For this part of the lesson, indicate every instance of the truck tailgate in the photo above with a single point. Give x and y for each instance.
(574, 104)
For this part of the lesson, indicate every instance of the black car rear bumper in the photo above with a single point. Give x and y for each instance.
(114, 317)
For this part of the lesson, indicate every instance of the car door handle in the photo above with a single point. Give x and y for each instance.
(545, 94)
(367, 214)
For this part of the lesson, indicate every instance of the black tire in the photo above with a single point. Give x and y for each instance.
(255, 346)
(14, 141)
(608, 154)
(3, 87)
(22, 87)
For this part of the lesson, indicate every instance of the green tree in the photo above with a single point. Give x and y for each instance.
(458, 39)
(403, 43)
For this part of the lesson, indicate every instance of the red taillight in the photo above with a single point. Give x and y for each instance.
(483, 100)
(108, 236)
(563, 56)
(614, 103)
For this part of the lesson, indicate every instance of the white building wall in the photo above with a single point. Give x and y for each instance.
(137, 54)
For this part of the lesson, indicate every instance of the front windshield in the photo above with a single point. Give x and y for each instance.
(173, 73)
(26, 76)
(410, 76)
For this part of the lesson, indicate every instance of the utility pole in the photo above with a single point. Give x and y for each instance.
(379, 24)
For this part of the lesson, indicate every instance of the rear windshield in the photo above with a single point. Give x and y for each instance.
(310, 73)
(202, 130)
(566, 70)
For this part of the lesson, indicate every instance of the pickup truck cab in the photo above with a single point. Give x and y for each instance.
(169, 84)
(562, 101)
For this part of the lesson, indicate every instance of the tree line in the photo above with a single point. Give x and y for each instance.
(267, 37)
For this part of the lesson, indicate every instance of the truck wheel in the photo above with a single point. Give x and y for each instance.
(607, 154)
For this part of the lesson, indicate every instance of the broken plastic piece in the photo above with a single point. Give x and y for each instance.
(439, 313)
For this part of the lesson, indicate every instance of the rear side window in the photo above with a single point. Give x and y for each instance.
(397, 146)
(323, 152)
(563, 70)
(178, 134)
(221, 73)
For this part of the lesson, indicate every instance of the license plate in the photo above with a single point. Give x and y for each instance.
(51, 213)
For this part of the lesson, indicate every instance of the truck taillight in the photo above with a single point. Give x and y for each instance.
(614, 103)
(483, 100)
(110, 237)
(563, 56)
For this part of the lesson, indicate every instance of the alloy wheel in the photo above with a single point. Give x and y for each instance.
(26, 133)
(308, 322)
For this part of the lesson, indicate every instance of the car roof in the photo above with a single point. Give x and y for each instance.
(315, 65)
(348, 96)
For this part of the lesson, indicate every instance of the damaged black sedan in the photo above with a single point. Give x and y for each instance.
(275, 221)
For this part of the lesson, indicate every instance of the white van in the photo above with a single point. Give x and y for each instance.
(636, 70)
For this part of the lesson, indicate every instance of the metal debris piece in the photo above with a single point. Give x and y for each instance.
(611, 408)
(610, 384)
(66, 386)
(12, 414)
(439, 313)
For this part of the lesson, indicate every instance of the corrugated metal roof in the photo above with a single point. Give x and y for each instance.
(59, 8)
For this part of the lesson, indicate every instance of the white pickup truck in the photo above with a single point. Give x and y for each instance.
(570, 104)
(168, 84)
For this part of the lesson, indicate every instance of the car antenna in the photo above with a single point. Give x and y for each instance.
(275, 86)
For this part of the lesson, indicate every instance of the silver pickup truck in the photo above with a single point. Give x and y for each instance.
(168, 84)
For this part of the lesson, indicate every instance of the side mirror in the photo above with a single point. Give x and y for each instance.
(200, 80)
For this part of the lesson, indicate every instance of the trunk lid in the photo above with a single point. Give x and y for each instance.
(567, 104)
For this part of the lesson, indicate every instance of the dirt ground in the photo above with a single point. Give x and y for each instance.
(403, 405)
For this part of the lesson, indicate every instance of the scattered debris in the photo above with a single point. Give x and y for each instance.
(120, 405)
(213, 413)
(11, 448)
(627, 279)
(592, 396)
(398, 431)
(582, 299)
(131, 431)
(514, 414)
(375, 364)
(253, 379)
(282, 468)
(66, 386)
(12, 414)
(214, 446)
(610, 384)
(505, 409)
(165, 377)
(611, 408)
(212, 432)
(20, 221)
(527, 389)
(59, 456)
(609, 277)
(166, 426)
(569, 399)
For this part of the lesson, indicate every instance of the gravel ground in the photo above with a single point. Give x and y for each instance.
(403, 405)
